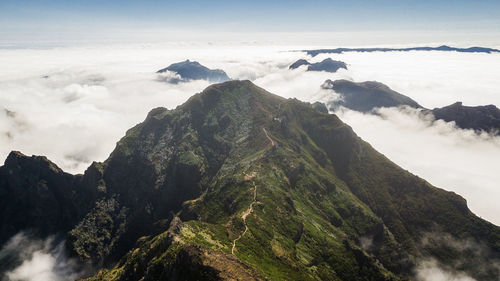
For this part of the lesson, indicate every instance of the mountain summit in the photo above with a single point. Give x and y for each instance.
(241, 184)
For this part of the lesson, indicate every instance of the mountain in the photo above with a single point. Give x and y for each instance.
(193, 70)
(478, 118)
(238, 183)
(327, 65)
(369, 50)
(365, 96)
(319, 106)
(299, 63)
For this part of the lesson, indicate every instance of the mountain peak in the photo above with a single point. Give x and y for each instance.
(366, 96)
(478, 118)
(327, 65)
(192, 70)
(235, 90)
(18, 160)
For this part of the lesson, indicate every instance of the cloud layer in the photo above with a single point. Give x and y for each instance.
(74, 104)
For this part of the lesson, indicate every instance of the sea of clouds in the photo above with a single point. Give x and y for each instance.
(37, 260)
(73, 104)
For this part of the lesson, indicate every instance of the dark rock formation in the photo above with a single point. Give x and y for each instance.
(327, 65)
(479, 118)
(369, 50)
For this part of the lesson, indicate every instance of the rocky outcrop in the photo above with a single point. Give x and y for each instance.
(479, 118)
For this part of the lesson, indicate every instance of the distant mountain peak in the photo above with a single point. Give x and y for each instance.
(440, 48)
(478, 118)
(328, 65)
(368, 95)
(192, 70)
(365, 96)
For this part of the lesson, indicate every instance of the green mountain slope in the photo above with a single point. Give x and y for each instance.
(240, 184)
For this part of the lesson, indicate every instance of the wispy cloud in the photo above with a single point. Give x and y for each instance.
(37, 260)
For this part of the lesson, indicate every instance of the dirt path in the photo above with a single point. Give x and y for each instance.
(249, 210)
(244, 216)
(268, 137)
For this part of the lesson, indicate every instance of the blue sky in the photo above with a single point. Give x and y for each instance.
(59, 19)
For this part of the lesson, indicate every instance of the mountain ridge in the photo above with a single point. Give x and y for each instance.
(444, 48)
(327, 65)
(365, 96)
(192, 70)
(369, 95)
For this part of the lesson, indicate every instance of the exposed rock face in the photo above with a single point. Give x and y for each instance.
(365, 96)
(327, 65)
(479, 118)
(238, 183)
(193, 70)
(38, 196)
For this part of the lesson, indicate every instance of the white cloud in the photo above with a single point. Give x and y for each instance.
(40, 260)
(448, 157)
(430, 270)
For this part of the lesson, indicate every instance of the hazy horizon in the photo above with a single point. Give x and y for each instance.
(55, 23)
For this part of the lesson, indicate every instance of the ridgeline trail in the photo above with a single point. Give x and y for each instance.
(269, 138)
(249, 210)
(245, 214)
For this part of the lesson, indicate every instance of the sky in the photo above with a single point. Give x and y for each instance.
(358, 22)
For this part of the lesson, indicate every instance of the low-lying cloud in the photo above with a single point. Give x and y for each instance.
(446, 156)
(36, 260)
(465, 251)
(431, 270)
